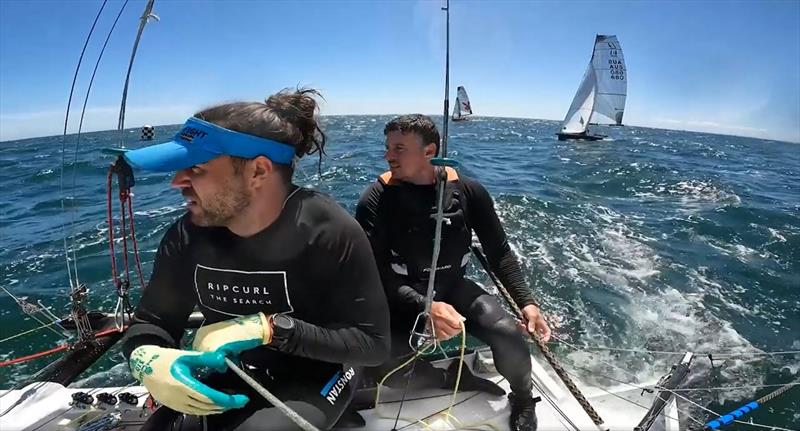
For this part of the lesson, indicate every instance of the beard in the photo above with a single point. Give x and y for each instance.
(221, 207)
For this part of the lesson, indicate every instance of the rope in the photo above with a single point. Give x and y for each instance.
(447, 413)
(441, 181)
(34, 356)
(778, 392)
(72, 284)
(440, 176)
(28, 331)
(686, 414)
(49, 314)
(723, 420)
(729, 353)
(111, 229)
(58, 348)
(291, 414)
(729, 418)
(126, 181)
(554, 405)
(730, 388)
(133, 240)
(80, 128)
(677, 395)
(30, 309)
(773, 427)
(562, 374)
(641, 388)
(403, 398)
(423, 350)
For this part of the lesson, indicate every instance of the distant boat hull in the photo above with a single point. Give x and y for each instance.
(579, 137)
(460, 119)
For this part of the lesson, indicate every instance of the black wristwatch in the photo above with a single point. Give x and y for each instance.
(282, 328)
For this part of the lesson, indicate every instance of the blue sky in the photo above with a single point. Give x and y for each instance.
(717, 66)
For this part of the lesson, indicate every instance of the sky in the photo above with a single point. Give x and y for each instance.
(730, 67)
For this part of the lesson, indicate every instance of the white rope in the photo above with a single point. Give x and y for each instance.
(729, 353)
(296, 418)
(724, 388)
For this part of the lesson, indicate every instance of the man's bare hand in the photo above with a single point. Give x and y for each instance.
(536, 323)
(446, 320)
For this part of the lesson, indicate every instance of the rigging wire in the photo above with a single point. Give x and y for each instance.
(80, 129)
(73, 285)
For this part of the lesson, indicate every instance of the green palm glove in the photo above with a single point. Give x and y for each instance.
(168, 376)
(234, 336)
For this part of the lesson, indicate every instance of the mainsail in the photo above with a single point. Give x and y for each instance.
(601, 96)
(611, 80)
(462, 107)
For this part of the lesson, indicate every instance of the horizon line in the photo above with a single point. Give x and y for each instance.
(431, 115)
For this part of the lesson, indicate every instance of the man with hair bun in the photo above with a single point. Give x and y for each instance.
(284, 277)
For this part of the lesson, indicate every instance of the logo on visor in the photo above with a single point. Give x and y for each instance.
(189, 133)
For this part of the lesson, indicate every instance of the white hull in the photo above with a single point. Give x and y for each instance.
(47, 406)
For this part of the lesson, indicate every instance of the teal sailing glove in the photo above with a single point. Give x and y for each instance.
(234, 336)
(168, 374)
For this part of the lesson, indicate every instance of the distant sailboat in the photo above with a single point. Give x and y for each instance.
(601, 96)
(462, 108)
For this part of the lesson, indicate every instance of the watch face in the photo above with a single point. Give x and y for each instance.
(283, 322)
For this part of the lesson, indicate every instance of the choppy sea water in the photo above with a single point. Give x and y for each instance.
(651, 239)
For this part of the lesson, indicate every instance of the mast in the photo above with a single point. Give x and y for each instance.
(146, 15)
(443, 152)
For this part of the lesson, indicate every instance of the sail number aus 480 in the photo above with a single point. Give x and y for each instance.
(617, 69)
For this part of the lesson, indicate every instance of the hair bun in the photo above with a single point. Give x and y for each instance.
(299, 108)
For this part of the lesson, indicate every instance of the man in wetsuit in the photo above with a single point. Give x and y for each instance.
(397, 212)
(284, 277)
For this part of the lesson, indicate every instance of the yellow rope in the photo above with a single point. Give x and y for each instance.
(460, 366)
(425, 349)
(30, 330)
(447, 414)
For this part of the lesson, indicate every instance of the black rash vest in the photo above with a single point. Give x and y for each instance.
(314, 263)
(398, 219)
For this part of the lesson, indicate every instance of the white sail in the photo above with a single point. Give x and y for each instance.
(611, 80)
(462, 107)
(601, 96)
(580, 111)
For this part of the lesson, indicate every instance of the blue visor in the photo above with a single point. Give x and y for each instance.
(199, 141)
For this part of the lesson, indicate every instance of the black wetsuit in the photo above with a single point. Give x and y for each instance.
(313, 263)
(398, 219)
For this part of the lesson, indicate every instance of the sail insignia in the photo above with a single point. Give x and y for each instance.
(462, 108)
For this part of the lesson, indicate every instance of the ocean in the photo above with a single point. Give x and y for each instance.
(642, 246)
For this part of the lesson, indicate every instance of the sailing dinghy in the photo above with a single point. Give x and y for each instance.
(462, 108)
(600, 98)
(50, 404)
(47, 401)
